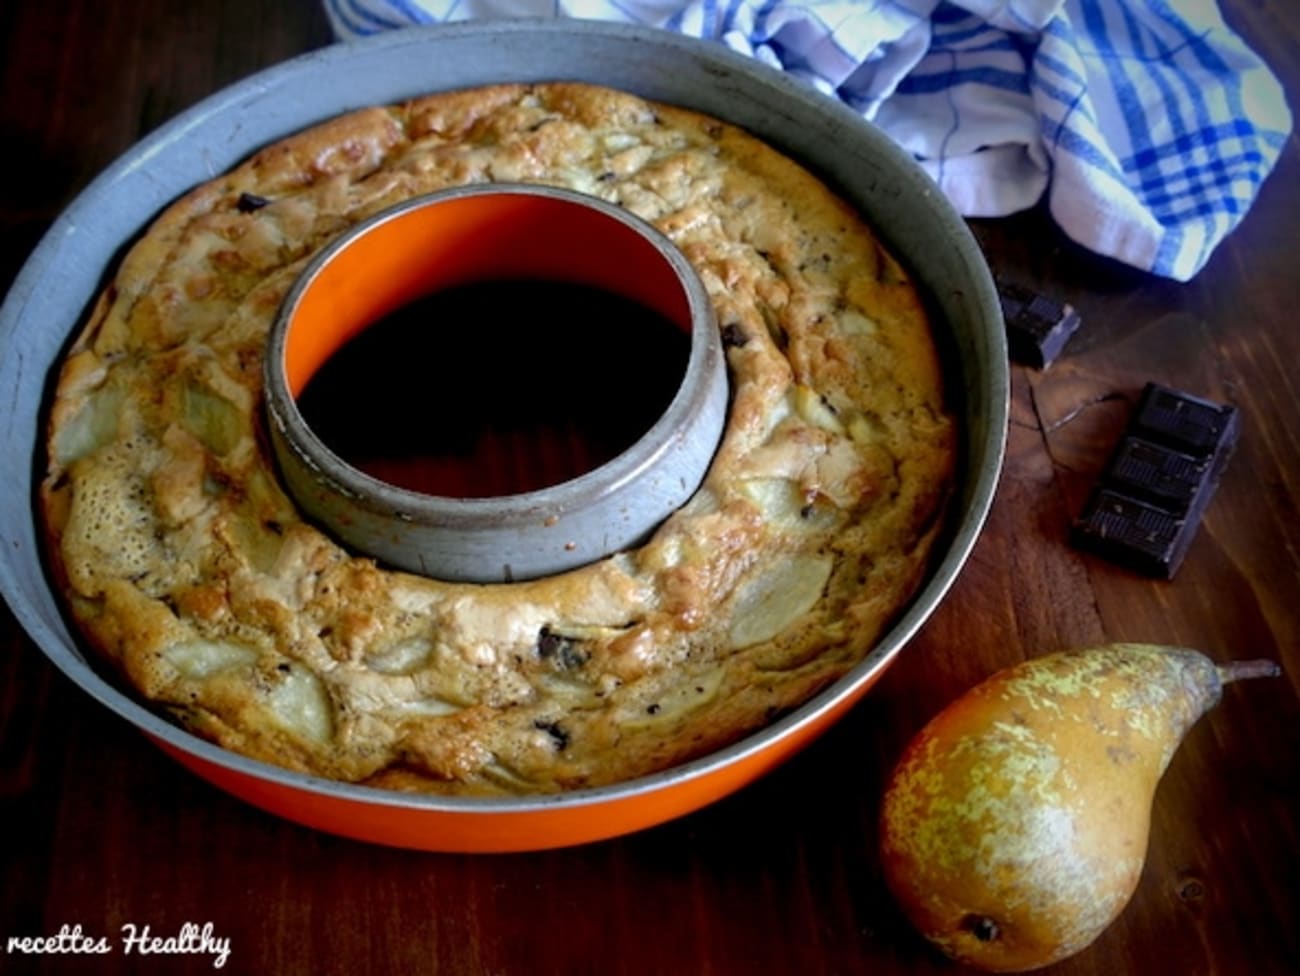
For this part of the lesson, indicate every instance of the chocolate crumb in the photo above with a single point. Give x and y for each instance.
(249, 202)
(734, 335)
(563, 650)
(556, 732)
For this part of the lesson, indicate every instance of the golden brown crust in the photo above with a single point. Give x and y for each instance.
(186, 565)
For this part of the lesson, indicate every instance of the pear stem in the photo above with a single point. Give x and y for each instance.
(1242, 670)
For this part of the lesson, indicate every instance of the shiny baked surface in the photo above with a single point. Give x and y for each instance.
(184, 562)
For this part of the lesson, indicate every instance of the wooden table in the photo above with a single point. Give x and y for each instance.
(101, 831)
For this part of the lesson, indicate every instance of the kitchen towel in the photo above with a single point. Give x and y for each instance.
(1149, 124)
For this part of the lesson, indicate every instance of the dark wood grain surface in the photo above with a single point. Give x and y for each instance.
(101, 831)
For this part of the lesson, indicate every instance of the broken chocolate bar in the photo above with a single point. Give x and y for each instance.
(1149, 501)
(1038, 327)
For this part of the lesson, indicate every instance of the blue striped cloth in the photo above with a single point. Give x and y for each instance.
(1148, 124)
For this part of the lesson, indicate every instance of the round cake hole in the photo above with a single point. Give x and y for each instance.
(497, 387)
(495, 383)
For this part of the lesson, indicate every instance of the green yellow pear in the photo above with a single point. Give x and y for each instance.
(1014, 828)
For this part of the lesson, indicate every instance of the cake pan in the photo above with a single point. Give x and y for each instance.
(63, 275)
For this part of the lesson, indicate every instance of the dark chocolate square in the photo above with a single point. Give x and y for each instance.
(1183, 422)
(1038, 327)
(1136, 535)
(1155, 474)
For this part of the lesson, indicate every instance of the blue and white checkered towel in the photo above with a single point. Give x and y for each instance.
(1148, 123)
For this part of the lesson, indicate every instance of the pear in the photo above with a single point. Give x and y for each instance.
(1014, 828)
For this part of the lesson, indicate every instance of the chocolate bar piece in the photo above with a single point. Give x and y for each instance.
(1146, 507)
(1038, 327)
